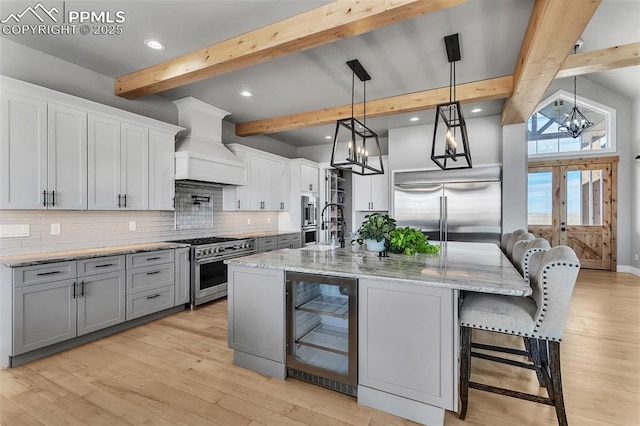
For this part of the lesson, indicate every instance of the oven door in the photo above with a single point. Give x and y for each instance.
(210, 277)
(309, 235)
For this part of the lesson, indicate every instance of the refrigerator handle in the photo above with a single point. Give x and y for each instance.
(441, 219)
(446, 218)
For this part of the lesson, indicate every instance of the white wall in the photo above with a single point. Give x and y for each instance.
(26, 64)
(622, 105)
(514, 177)
(635, 188)
(410, 147)
(263, 143)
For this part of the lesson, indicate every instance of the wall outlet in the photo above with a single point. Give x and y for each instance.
(132, 226)
(248, 221)
(268, 219)
(636, 256)
(14, 231)
(55, 229)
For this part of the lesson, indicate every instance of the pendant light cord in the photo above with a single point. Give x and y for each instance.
(575, 103)
(353, 82)
(364, 104)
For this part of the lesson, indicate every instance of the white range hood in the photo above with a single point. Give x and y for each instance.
(200, 154)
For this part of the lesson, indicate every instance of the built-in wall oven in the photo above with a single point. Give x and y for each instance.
(309, 220)
(208, 271)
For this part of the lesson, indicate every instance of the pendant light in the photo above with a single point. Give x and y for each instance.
(354, 143)
(576, 123)
(450, 148)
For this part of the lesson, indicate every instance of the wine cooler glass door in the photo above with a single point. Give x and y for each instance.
(322, 321)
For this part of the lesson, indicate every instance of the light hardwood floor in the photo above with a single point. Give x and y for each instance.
(178, 370)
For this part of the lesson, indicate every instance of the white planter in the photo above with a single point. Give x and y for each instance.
(373, 245)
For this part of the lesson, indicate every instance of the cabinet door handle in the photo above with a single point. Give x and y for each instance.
(48, 273)
(154, 258)
(310, 187)
(238, 204)
(153, 273)
(119, 202)
(372, 205)
(44, 198)
(74, 290)
(104, 266)
(153, 296)
(173, 202)
(82, 288)
(53, 198)
(125, 200)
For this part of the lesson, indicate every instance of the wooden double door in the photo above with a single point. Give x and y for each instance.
(573, 203)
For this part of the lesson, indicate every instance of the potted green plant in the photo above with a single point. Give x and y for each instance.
(410, 241)
(375, 231)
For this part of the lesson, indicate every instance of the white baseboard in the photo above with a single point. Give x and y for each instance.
(628, 270)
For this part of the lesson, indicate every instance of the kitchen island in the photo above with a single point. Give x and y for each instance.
(407, 317)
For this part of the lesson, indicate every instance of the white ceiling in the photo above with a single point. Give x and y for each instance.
(401, 58)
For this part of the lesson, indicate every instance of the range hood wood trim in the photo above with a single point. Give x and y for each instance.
(190, 166)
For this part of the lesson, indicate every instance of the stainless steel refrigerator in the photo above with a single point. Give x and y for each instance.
(451, 205)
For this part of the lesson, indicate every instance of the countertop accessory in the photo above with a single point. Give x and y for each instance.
(350, 150)
(453, 130)
(576, 123)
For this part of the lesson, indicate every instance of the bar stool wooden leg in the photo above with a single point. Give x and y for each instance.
(556, 382)
(535, 349)
(465, 370)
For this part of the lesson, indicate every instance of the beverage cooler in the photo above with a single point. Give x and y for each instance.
(322, 330)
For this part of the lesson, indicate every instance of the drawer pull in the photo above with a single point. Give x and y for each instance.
(154, 258)
(82, 289)
(104, 266)
(48, 273)
(153, 296)
(153, 273)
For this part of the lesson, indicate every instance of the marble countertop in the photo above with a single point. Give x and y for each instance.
(63, 256)
(479, 267)
(263, 234)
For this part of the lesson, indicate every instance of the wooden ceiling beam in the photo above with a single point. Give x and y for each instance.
(553, 29)
(323, 25)
(611, 58)
(495, 88)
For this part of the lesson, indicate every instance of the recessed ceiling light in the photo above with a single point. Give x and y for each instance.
(476, 110)
(414, 119)
(154, 44)
(246, 93)
(328, 137)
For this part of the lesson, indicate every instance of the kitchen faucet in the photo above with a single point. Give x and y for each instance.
(340, 222)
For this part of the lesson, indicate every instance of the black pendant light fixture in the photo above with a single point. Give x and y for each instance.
(450, 148)
(575, 123)
(354, 143)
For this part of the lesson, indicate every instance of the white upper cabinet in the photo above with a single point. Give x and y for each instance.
(280, 186)
(23, 155)
(309, 178)
(43, 155)
(371, 193)
(62, 152)
(267, 187)
(161, 170)
(134, 166)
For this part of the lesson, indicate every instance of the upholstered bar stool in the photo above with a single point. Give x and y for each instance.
(505, 238)
(514, 239)
(522, 252)
(517, 251)
(541, 318)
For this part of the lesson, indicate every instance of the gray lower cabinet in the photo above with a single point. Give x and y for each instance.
(151, 279)
(43, 314)
(291, 241)
(400, 326)
(101, 301)
(183, 276)
(265, 244)
(257, 332)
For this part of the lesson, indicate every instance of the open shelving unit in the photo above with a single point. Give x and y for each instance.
(334, 194)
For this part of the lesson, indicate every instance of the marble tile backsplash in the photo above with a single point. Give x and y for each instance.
(90, 229)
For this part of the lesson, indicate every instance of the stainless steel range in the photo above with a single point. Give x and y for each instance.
(208, 271)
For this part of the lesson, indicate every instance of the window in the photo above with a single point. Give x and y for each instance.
(544, 139)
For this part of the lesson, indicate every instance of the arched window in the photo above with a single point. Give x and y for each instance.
(544, 139)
